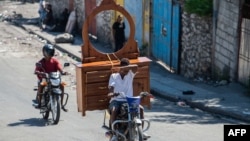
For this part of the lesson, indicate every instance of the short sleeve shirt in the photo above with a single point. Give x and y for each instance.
(51, 65)
(124, 85)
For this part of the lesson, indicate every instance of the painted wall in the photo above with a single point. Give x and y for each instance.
(146, 21)
(135, 9)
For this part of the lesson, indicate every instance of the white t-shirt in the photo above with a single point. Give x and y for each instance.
(120, 85)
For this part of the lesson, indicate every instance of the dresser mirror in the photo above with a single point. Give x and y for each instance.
(100, 31)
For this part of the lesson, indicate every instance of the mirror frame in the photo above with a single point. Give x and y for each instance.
(129, 50)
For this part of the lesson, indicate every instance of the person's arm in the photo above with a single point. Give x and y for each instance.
(111, 86)
(133, 68)
(59, 67)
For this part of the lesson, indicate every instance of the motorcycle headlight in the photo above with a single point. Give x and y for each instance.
(55, 82)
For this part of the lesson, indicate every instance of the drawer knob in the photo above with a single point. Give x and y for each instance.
(102, 88)
(102, 76)
(103, 100)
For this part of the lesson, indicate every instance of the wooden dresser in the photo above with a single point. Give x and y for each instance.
(93, 73)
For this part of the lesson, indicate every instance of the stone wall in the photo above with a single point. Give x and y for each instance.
(196, 42)
(80, 13)
(58, 6)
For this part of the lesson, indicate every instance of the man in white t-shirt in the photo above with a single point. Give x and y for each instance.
(122, 82)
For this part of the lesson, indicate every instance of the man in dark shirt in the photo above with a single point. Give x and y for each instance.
(118, 33)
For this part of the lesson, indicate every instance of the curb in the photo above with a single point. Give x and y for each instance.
(78, 59)
(202, 107)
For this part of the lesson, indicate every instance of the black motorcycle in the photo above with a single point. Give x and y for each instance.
(128, 124)
(51, 95)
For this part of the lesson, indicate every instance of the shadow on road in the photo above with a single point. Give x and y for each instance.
(31, 122)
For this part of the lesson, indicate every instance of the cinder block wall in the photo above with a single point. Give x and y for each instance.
(226, 42)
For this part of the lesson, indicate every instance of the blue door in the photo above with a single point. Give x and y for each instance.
(134, 7)
(165, 32)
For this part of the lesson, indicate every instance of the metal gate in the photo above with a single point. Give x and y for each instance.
(165, 32)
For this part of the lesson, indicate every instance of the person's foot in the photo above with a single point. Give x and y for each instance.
(64, 109)
(37, 106)
(114, 138)
(108, 134)
(145, 136)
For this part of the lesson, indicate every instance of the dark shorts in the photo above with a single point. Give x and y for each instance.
(116, 104)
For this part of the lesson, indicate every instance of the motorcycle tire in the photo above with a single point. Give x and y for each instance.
(55, 109)
(139, 133)
(46, 113)
(136, 133)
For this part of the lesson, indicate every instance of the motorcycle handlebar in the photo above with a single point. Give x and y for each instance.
(142, 94)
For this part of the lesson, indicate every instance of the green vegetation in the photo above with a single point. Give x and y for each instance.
(202, 8)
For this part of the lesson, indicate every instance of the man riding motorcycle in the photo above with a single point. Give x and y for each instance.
(122, 82)
(50, 64)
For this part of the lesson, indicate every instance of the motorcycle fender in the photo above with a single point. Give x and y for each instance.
(138, 121)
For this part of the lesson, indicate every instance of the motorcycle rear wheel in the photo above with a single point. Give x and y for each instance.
(55, 109)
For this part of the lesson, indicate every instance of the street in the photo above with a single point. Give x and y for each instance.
(20, 121)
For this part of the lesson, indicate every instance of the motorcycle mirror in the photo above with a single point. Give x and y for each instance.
(66, 64)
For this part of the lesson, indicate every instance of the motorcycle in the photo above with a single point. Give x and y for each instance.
(128, 124)
(51, 95)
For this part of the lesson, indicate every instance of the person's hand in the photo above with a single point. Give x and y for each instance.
(110, 94)
(65, 73)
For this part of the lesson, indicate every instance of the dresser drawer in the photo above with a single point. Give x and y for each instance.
(97, 76)
(142, 72)
(97, 102)
(97, 89)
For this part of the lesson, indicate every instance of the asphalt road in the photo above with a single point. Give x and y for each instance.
(19, 121)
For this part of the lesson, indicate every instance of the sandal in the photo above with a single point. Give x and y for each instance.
(64, 109)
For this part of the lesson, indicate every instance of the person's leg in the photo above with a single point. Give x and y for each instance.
(62, 96)
(116, 45)
(39, 96)
(145, 135)
(142, 115)
(120, 45)
(113, 112)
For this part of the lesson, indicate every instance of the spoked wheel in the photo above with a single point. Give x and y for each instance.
(45, 111)
(55, 109)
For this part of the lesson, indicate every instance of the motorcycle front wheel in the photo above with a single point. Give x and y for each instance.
(139, 133)
(46, 112)
(55, 108)
(135, 133)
